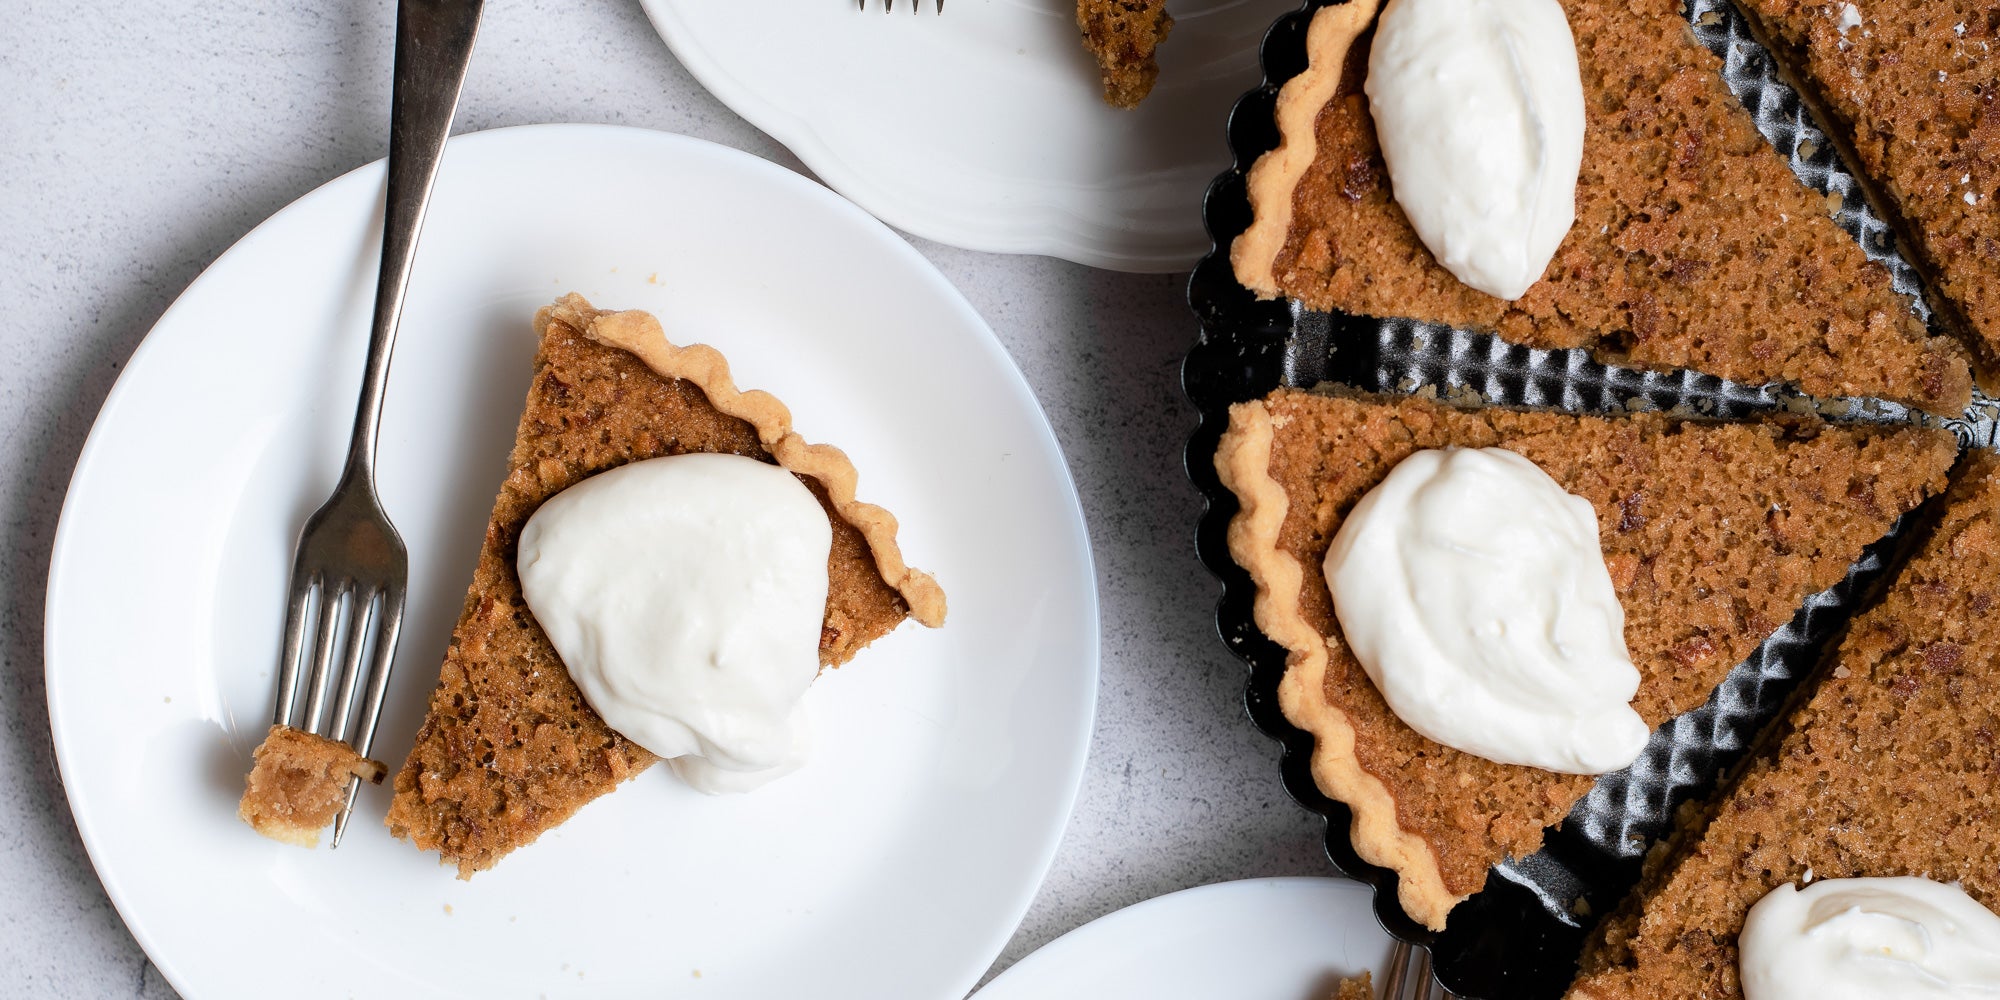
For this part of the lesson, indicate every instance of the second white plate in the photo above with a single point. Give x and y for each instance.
(895, 864)
(1266, 938)
(983, 127)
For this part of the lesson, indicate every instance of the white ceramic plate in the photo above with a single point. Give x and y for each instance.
(984, 127)
(1266, 938)
(895, 864)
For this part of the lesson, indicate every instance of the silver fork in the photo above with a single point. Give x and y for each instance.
(915, 5)
(1409, 976)
(351, 568)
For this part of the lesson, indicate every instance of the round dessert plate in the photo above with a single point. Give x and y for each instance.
(895, 864)
(984, 126)
(1270, 938)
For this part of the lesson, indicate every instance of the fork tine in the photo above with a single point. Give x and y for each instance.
(384, 661)
(1409, 976)
(1395, 985)
(1428, 984)
(299, 600)
(916, 6)
(346, 810)
(379, 667)
(360, 615)
(330, 594)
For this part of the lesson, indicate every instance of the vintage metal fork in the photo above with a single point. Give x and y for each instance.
(1409, 976)
(915, 5)
(350, 570)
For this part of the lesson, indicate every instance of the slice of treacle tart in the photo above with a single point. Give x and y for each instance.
(510, 748)
(1713, 533)
(1694, 246)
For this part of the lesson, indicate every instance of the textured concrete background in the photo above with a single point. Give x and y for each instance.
(139, 140)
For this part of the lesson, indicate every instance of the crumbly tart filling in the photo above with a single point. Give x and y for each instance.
(1276, 175)
(1887, 768)
(1714, 535)
(1694, 244)
(1123, 36)
(510, 748)
(297, 783)
(1912, 86)
(640, 334)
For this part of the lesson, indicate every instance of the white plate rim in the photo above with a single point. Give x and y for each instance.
(1010, 373)
(1086, 936)
(1035, 235)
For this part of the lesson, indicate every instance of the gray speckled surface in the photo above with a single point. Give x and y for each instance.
(138, 141)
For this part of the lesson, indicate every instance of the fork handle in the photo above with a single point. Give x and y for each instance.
(433, 47)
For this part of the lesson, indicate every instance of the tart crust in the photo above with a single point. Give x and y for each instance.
(1243, 460)
(1713, 533)
(1687, 220)
(510, 748)
(639, 333)
(1276, 174)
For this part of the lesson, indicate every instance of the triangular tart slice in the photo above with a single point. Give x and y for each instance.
(1887, 769)
(1694, 244)
(1714, 533)
(1908, 88)
(510, 748)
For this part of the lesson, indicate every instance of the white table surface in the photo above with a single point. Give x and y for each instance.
(139, 140)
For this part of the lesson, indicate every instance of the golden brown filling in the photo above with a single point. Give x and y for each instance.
(1714, 535)
(1890, 768)
(1123, 35)
(297, 783)
(510, 748)
(1694, 245)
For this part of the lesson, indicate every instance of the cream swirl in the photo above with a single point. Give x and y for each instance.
(1472, 588)
(1479, 108)
(1868, 938)
(685, 595)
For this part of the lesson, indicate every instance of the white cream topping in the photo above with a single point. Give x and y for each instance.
(1472, 589)
(685, 595)
(704, 774)
(1869, 938)
(1479, 108)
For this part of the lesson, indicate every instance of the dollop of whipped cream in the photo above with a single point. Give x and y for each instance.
(685, 595)
(1479, 108)
(1869, 938)
(1472, 589)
